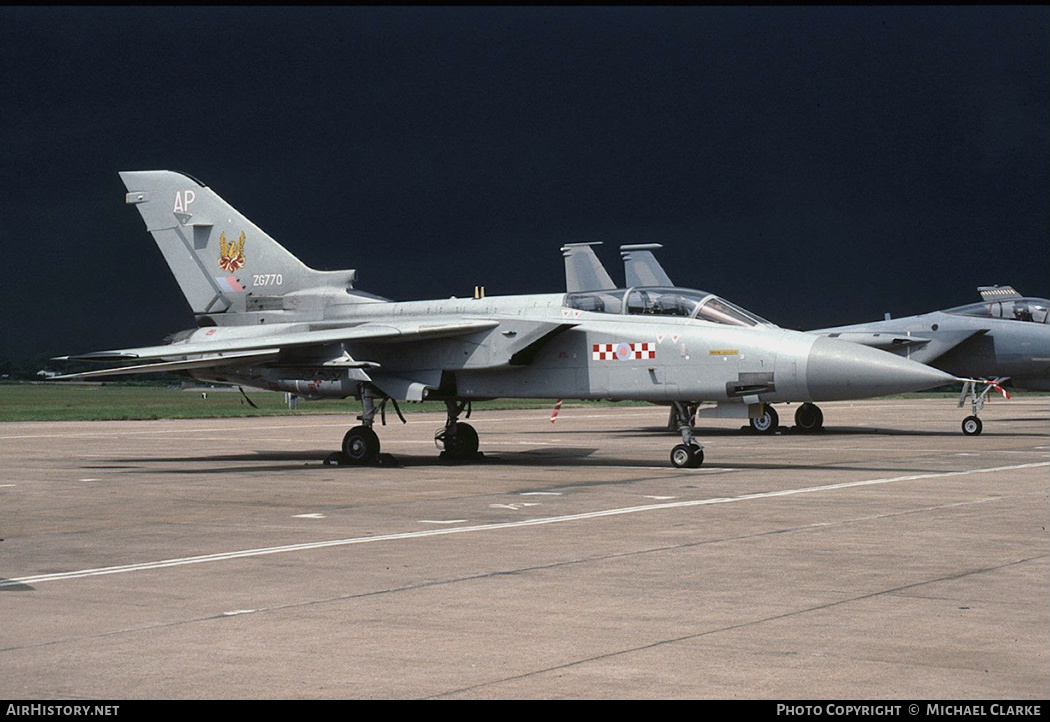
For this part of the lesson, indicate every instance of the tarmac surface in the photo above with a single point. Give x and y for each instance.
(889, 557)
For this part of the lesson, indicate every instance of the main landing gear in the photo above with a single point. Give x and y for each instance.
(458, 440)
(361, 443)
(767, 423)
(809, 419)
(689, 454)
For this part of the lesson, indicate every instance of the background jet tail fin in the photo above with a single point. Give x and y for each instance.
(216, 254)
(583, 270)
(641, 267)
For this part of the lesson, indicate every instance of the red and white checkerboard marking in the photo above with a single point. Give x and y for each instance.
(623, 351)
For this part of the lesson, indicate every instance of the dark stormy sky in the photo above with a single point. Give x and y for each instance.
(816, 165)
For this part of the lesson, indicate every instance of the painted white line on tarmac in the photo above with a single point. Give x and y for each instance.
(310, 546)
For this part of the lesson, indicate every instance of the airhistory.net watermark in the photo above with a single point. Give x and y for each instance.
(62, 710)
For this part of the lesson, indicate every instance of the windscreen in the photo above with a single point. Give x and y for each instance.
(1033, 310)
(681, 302)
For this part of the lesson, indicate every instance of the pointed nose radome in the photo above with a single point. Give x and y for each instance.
(838, 370)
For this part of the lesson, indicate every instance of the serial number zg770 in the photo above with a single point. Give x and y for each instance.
(267, 279)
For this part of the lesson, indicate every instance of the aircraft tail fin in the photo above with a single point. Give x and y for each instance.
(223, 262)
(641, 267)
(583, 270)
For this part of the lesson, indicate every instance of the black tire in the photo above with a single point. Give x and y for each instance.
(360, 446)
(686, 456)
(698, 455)
(809, 418)
(767, 423)
(972, 426)
(462, 443)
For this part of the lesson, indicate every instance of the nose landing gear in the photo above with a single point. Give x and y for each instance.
(689, 454)
(971, 425)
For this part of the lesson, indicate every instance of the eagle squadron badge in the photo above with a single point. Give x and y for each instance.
(231, 255)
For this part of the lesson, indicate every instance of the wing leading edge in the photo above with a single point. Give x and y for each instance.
(207, 354)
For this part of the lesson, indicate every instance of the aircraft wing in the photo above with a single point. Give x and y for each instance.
(208, 361)
(210, 354)
(924, 349)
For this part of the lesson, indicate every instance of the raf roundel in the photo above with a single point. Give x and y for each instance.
(623, 351)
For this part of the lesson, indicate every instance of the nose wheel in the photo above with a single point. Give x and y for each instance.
(972, 426)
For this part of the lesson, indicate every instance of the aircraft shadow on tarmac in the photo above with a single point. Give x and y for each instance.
(557, 457)
(826, 431)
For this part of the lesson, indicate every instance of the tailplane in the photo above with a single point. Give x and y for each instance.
(224, 263)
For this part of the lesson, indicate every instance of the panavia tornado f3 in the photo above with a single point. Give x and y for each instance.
(266, 320)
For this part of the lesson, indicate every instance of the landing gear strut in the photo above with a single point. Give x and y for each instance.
(689, 454)
(971, 425)
(458, 440)
(361, 443)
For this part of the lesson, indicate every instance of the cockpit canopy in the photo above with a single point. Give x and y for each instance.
(651, 301)
(1034, 310)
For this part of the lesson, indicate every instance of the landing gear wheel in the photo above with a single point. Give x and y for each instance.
(687, 456)
(766, 423)
(809, 418)
(972, 426)
(361, 445)
(461, 442)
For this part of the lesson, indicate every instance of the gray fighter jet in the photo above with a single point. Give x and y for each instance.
(1004, 339)
(266, 320)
